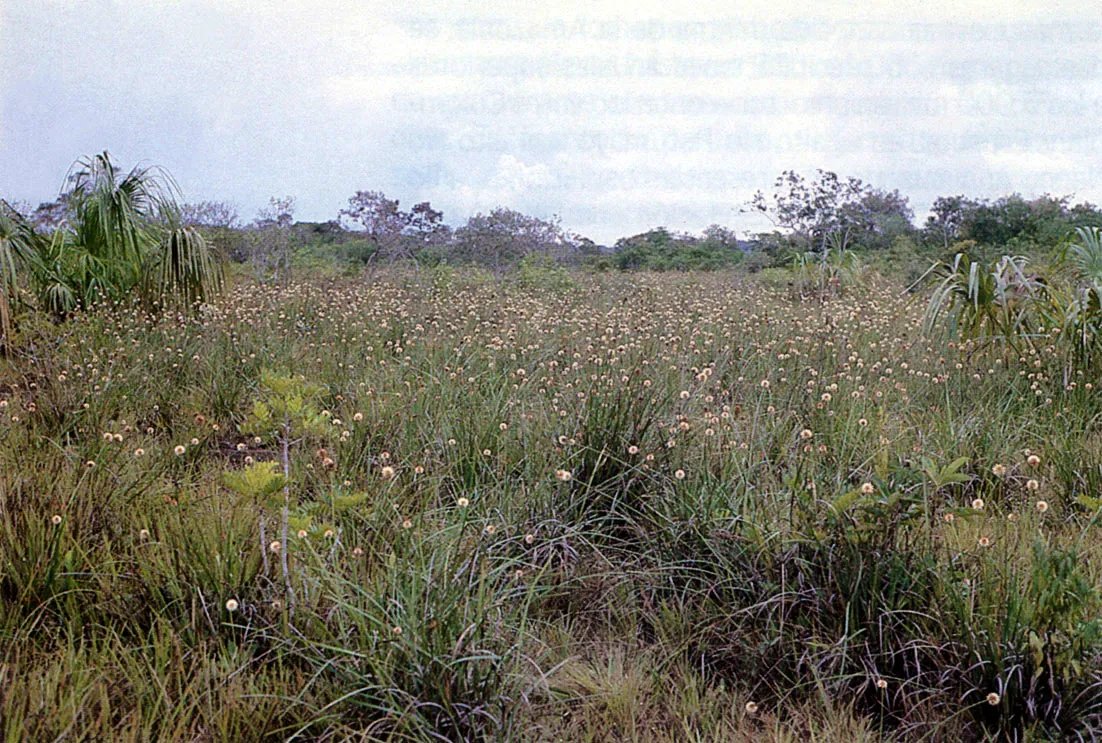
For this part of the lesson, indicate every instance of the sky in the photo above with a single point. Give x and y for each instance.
(614, 116)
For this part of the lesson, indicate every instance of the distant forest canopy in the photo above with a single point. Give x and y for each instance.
(809, 214)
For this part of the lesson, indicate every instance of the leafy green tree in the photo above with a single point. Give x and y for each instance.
(257, 483)
(381, 220)
(1008, 224)
(946, 218)
(426, 226)
(811, 210)
(501, 238)
(662, 250)
(883, 217)
(285, 410)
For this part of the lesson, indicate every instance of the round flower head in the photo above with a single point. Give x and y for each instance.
(231, 604)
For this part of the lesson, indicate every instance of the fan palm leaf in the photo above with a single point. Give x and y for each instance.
(190, 268)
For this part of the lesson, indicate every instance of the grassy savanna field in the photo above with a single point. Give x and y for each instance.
(441, 506)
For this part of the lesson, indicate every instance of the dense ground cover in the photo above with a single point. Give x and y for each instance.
(653, 508)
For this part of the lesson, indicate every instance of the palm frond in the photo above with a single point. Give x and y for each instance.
(18, 244)
(190, 268)
(1086, 254)
(984, 301)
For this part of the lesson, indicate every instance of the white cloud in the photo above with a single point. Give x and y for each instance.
(516, 177)
(1019, 160)
(511, 183)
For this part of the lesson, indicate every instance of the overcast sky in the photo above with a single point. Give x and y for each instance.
(616, 116)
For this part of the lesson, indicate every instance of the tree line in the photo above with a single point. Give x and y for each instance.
(810, 214)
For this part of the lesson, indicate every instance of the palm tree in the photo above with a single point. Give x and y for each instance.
(126, 234)
(1077, 308)
(18, 243)
(985, 301)
(1086, 255)
(122, 235)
